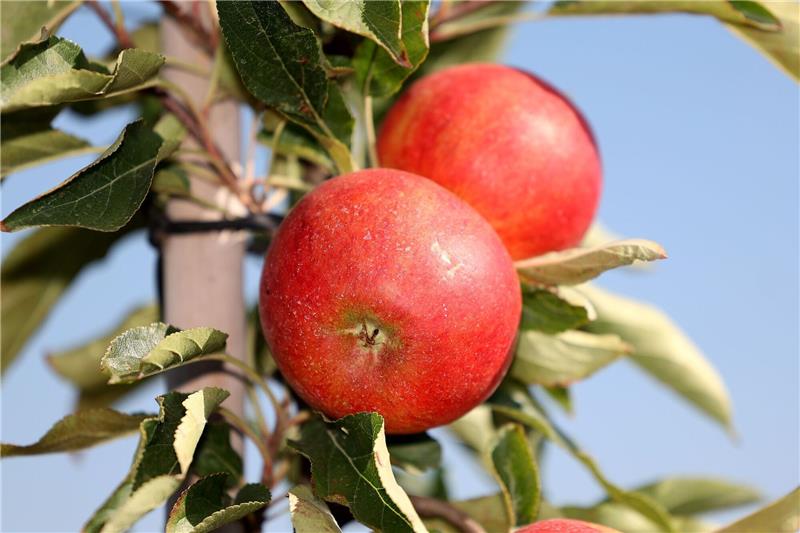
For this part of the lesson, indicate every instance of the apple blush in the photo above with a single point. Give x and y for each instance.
(382, 291)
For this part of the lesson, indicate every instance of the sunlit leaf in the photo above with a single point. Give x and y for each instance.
(78, 431)
(103, 196)
(37, 271)
(310, 514)
(780, 516)
(55, 71)
(378, 21)
(281, 64)
(205, 506)
(693, 495)
(23, 21)
(662, 350)
(781, 47)
(564, 358)
(350, 465)
(517, 473)
(376, 70)
(147, 350)
(577, 265)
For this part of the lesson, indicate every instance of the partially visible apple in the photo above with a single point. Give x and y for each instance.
(384, 292)
(564, 525)
(508, 143)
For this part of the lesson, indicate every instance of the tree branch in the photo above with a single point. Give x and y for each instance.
(123, 37)
(433, 508)
(195, 30)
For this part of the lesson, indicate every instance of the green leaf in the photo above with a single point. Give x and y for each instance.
(515, 401)
(81, 365)
(561, 396)
(740, 12)
(517, 473)
(29, 140)
(23, 21)
(141, 352)
(103, 196)
(309, 513)
(771, 27)
(294, 140)
(282, 65)
(159, 465)
(350, 465)
(564, 358)
(37, 272)
(473, 47)
(172, 133)
(171, 180)
(205, 506)
(378, 21)
(215, 454)
(577, 265)
(781, 47)
(662, 350)
(55, 71)
(545, 311)
(377, 71)
(693, 495)
(781, 516)
(415, 453)
(617, 516)
(78, 431)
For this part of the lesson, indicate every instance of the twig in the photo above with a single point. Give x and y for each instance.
(123, 37)
(192, 26)
(442, 34)
(234, 420)
(433, 508)
(453, 12)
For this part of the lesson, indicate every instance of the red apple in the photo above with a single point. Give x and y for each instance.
(564, 525)
(384, 292)
(508, 143)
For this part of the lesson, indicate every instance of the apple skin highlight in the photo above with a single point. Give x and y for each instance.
(508, 144)
(382, 291)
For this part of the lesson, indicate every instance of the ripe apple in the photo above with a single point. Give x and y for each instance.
(508, 143)
(384, 292)
(564, 525)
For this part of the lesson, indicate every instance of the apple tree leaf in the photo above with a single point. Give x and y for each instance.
(28, 140)
(577, 265)
(206, 506)
(282, 65)
(310, 514)
(544, 310)
(146, 350)
(782, 47)
(23, 21)
(515, 401)
(780, 516)
(517, 473)
(55, 71)
(80, 365)
(752, 14)
(488, 511)
(78, 431)
(377, 71)
(564, 358)
(157, 472)
(37, 271)
(215, 454)
(694, 495)
(662, 350)
(378, 21)
(103, 196)
(350, 465)
(297, 141)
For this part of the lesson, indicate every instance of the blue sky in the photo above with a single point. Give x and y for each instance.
(699, 137)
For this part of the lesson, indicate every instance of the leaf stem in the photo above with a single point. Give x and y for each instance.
(433, 508)
(369, 126)
(176, 63)
(234, 420)
(119, 32)
(442, 34)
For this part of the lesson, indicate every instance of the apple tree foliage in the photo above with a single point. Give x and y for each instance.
(318, 75)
